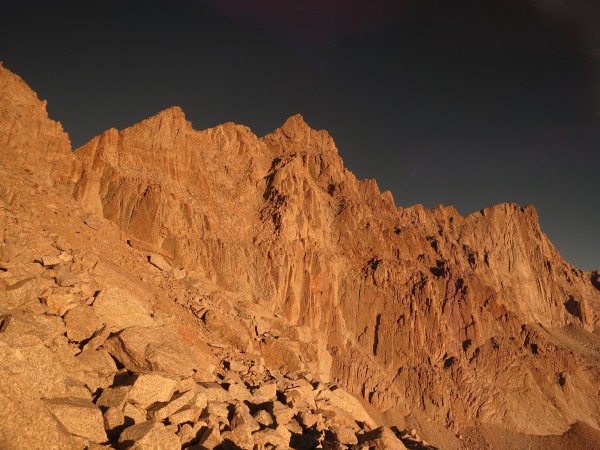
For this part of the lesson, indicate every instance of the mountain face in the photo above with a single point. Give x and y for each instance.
(446, 320)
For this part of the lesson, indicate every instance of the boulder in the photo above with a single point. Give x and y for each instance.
(121, 309)
(81, 323)
(160, 262)
(148, 435)
(242, 419)
(18, 327)
(282, 413)
(186, 414)
(210, 437)
(59, 304)
(266, 392)
(32, 362)
(99, 366)
(134, 414)
(113, 418)
(271, 437)
(79, 416)
(263, 417)
(215, 392)
(228, 329)
(23, 293)
(114, 397)
(177, 402)
(281, 354)
(150, 388)
(161, 349)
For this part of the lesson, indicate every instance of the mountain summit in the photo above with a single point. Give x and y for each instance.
(270, 250)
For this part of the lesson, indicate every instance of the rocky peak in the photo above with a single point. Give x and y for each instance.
(165, 125)
(29, 138)
(295, 135)
(296, 128)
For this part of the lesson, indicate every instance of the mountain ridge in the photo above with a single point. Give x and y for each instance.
(421, 313)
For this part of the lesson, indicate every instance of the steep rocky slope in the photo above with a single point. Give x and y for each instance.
(437, 320)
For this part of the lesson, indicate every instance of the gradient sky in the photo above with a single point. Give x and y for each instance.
(467, 104)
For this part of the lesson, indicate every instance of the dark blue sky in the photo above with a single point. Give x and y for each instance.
(470, 104)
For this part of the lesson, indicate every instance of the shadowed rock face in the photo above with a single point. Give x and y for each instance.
(457, 319)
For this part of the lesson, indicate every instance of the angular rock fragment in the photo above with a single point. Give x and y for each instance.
(161, 349)
(179, 274)
(266, 392)
(227, 329)
(148, 435)
(217, 413)
(210, 437)
(160, 262)
(92, 221)
(190, 433)
(81, 322)
(149, 388)
(65, 278)
(133, 413)
(160, 413)
(215, 392)
(282, 413)
(239, 391)
(263, 417)
(113, 419)
(114, 397)
(59, 304)
(186, 414)
(340, 401)
(99, 368)
(238, 438)
(281, 354)
(242, 419)
(186, 384)
(51, 261)
(79, 416)
(120, 309)
(269, 436)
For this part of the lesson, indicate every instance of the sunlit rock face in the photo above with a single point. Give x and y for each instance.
(455, 319)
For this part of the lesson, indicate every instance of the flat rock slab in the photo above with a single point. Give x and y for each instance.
(79, 416)
(160, 262)
(177, 403)
(121, 309)
(161, 349)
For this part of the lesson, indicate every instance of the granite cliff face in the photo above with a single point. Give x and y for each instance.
(444, 320)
